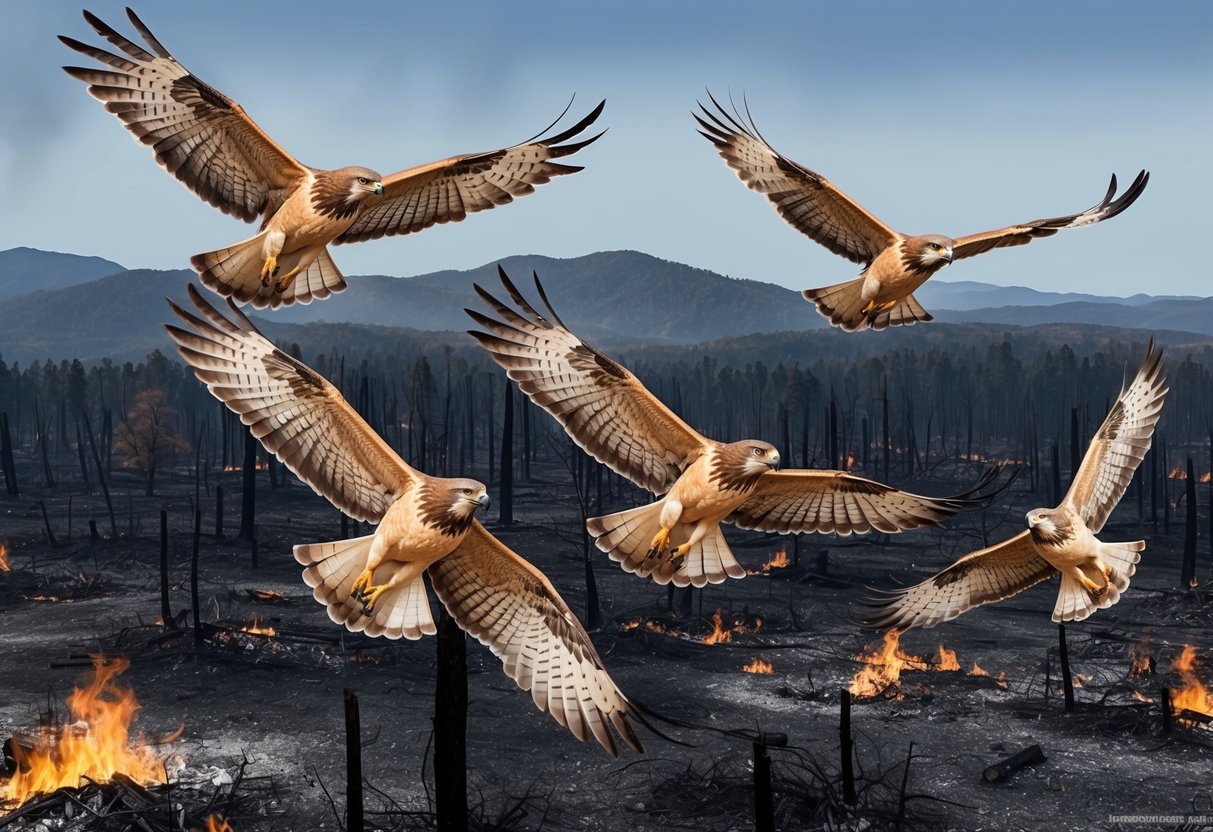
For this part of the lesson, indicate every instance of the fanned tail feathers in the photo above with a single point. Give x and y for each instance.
(235, 272)
(401, 612)
(843, 305)
(626, 537)
(1075, 602)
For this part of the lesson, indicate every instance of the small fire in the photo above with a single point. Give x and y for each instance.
(256, 629)
(721, 634)
(4, 567)
(259, 465)
(977, 670)
(883, 667)
(214, 823)
(1178, 473)
(1193, 696)
(759, 666)
(1141, 663)
(946, 660)
(779, 560)
(95, 745)
(653, 626)
(50, 599)
(852, 462)
(1207, 476)
(1001, 681)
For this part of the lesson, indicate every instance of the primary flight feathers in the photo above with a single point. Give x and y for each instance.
(207, 141)
(1061, 539)
(702, 482)
(426, 524)
(895, 264)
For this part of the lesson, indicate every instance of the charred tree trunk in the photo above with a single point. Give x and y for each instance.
(88, 489)
(835, 462)
(248, 493)
(166, 612)
(6, 457)
(1187, 572)
(507, 457)
(105, 489)
(450, 728)
(1075, 439)
(40, 429)
(353, 764)
(884, 411)
(1056, 496)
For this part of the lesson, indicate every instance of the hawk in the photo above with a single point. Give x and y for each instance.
(894, 264)
(701, 482)
(427, 525)
(207, 141)
(1057, 540)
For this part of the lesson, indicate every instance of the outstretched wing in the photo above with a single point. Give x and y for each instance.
(293, 410)
(198, 134)
(807, 200)
(796, 501)
(449, 190)
(1021, 235)
(981, 577)
(1122, 441)
(603, 407)
(512, 609)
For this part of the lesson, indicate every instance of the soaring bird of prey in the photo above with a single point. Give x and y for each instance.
(374, 584)
(894, 264)
(210, 144)
(1057, 540)
(701, 482)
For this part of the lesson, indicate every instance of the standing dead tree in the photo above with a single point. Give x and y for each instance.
(149, 436)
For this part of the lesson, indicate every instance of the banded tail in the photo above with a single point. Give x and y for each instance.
(235, 272)
(843, 305)
(1075, 602)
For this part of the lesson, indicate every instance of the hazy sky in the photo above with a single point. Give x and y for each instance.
(947, 117)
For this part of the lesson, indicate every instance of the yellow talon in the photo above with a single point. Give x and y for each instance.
(369, 599)
(268, 270)
(680, 551)
(286, 280)
(661, 541)
(1095, 589)
(363, 582)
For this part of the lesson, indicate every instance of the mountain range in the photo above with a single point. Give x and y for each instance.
(56, 306)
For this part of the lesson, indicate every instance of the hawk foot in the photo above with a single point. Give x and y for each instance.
(370, 598)
(286, 280)
(1095, 589)
(661, 542)
(362, 583)
(269, 270)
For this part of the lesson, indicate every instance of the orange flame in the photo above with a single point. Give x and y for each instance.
(652, 625)
(1178, 473)
(256, 629)
(1193, 696)
(721, 634)
(883, 667)
(946, 660)
(50, 599)
(759, 666)
(977, 670)
(95, 745)
(214, 823)
(4, 567)
(1207, 476)
(259, 465)
(1001, 681)
(1141, 663)
(779, 560)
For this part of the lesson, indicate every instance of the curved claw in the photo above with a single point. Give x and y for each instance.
(285, 281)
(269, 270)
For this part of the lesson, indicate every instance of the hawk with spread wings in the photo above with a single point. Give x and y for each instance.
(1057, 540)
(894, 264)
(701, 482)
(427, 525)
(208, 142)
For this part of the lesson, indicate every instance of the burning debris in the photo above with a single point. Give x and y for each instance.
(95, 746)
(759, 666)
(4, 566)
(256, 629)
(883, 666)
(1141, 663)
(1194, 695)
(721, 634)
(779, 560)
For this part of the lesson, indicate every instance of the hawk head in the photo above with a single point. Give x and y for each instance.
(928, 252)
(339, 193)
(451, 503)
(740, 464)
(1049, 527)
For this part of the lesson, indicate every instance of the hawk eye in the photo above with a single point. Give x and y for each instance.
(758, 452)
(362, 180)
(467, 492)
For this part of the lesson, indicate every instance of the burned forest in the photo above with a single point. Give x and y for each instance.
(152, 607)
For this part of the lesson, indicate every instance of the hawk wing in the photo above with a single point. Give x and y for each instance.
(1021, 235)
(1122, 441)
(294, 411)
(797, 501)
(511, 608)
(449, 190)
(602, 406)
(981, 577)
(805, 199)
(198, 134)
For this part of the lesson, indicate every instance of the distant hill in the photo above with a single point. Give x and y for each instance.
(24, 270)
(613, 297)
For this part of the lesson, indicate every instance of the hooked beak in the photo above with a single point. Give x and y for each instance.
(948, 256)
(773, 463)
(484, 502)
(379, 192)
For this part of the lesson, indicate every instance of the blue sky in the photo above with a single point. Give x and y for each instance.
(938, 117)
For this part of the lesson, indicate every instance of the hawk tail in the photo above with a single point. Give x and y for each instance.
(843, 305)
(401, 612)
(1117, 563)
(626, 537)
(235, 272)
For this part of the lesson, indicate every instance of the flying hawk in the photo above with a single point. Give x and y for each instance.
(1061, 539)
(374, 584)
(894, 264)
(702, 482)
(210, 144)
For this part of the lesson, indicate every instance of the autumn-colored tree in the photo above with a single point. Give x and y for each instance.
(149, 436)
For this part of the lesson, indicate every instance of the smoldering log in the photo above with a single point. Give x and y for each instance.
(1003, 769)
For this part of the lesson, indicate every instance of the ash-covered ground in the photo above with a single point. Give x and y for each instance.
(278, 699)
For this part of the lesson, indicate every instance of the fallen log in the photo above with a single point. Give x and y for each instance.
(1003, 769)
